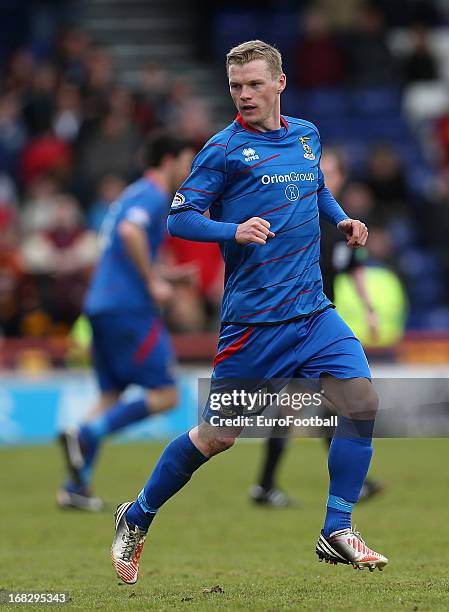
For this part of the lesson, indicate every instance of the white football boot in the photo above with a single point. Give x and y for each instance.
(126, 546)
(346, 546)
(83, 500)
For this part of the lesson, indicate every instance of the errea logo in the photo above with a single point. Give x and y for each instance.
(250, 154)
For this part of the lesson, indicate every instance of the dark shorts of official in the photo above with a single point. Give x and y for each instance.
(131, 348)
(269, 356)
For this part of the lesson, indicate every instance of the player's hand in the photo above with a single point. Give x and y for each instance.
(356, 232)
(254, 230)
(160, 290)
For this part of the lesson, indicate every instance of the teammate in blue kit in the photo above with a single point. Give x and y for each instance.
(130, 343)
(261, 182)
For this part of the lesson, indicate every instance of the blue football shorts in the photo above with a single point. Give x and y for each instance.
(131, 348)
(251, 357)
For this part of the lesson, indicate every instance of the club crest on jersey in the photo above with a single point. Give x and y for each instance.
(307, 148)
(178, 200)
(250, 154)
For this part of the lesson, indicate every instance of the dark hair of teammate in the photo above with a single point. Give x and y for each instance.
(160, 144)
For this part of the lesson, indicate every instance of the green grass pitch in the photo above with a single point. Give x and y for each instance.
(210, 536)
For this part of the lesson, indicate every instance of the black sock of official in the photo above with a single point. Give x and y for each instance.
(274, 449)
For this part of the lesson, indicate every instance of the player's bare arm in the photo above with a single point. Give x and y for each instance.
(254, 230)
(359, 276)
(137, 246)
(355, 231)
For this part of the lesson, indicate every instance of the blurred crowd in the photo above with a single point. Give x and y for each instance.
(70, 140)
(70, 136)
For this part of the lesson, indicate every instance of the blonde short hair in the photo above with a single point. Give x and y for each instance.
(254, 50)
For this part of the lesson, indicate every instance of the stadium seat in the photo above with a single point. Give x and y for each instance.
(280, 28)
(232, 27)
(326, 102)
(404, 232)
(381, 102)
(424, 277)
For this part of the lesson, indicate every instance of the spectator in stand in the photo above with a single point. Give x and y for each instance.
(67, 116)
(109, 188)
(12, 133)
(152, 97)
(340, 14)
(8, 193)
(72, 56)
(359, 200)
(61, 257)
(380, 248)
(111, 147)
(385, 177)
(11, 272)
(39, 103)
(437, 207)
(442, 137)
(100, 81)
(39, 205)
(10, 264)
(187, 113)
(44, 155)
(19, 73)
(420, 64)
(370, 62)
(319, 57)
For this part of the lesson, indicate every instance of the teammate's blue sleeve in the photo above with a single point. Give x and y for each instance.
(329, 209)
(192, 225)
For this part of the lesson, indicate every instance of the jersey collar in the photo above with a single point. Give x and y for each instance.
(248, 127)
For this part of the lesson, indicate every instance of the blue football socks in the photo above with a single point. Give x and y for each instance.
(348, 462)
(119, 416)
(173, 470)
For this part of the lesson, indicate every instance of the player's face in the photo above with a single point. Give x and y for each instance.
(181, 166)
(255, 92)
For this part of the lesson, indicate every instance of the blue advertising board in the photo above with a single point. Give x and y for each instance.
(34, 409)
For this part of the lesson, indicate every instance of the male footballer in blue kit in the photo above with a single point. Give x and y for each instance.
(129, 341)
(261, 182)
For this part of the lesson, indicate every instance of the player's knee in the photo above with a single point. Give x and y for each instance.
(219, 444)
(366, 406)
(161, 400)
(211, 441)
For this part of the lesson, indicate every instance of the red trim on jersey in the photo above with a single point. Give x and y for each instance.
(266, 212)
(148, 343)
(250, 128)
(262, 161)
(253, 314)
(216, 144)
(263, 263)
(306, 195)
(234, 347)
(198, 190)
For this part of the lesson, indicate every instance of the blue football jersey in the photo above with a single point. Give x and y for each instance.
(116, 283)
(242, 173)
